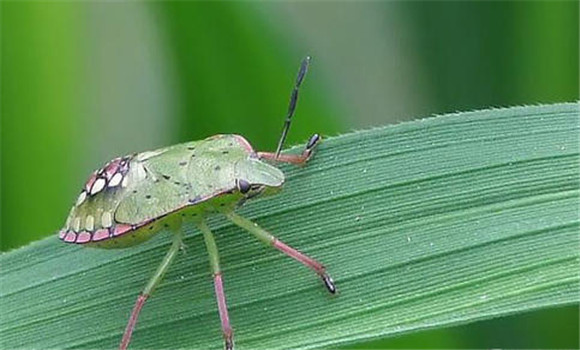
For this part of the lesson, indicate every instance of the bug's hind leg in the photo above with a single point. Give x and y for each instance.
(268, 239)
(298, 159)
(218, 284)
(153, 282)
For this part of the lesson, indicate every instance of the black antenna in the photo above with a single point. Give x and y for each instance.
(292, 104)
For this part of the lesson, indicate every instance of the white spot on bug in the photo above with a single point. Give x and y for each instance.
(81, 198)
(124, 182)
(140, 171)
(90, 223)
(115, 180)
(107, 219)
(98, 186)
(77, 224)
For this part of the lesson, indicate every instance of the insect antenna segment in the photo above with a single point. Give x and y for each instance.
(292, 104)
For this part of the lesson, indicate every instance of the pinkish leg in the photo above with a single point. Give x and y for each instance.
(132, 321)
(267, 238)
(218, 285)
(223, 311)
(153, 282)
(307, 261)
(293, 158)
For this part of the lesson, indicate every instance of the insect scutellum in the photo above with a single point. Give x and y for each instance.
(133, 197)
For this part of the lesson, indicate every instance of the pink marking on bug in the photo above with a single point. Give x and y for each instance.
(121, 229)
(62, 234)
(242, 141)
(111, 168)
(90, 182)
(70, 237)
(83, 237)
(101, 234)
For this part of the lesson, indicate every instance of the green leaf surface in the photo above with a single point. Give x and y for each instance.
(425, 224)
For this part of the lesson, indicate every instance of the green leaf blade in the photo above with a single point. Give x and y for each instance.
(425, 224)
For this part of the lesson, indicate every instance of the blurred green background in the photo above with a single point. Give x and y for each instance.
(84, 82)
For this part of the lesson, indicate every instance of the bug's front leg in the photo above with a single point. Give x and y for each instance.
(269, 239)
(218, 284)
(153, 282)
(300, 159)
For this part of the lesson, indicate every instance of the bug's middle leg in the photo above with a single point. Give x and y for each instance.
(270, 240)
(153, 282)
(218, 284)
(298, 159)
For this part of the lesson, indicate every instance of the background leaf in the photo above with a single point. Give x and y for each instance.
(425, 224)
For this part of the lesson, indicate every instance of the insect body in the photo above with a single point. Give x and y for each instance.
(133, 197)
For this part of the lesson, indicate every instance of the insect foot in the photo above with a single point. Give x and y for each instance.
(328, 283)
(310, 146)
(312, 142)
(229, 342)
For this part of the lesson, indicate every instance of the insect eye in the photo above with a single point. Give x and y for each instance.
(243, 185)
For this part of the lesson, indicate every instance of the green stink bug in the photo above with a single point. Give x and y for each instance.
(133, 197)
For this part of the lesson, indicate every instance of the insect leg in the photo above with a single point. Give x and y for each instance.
(218, 284)
(269, 239)
(153, 282)
(293, 158)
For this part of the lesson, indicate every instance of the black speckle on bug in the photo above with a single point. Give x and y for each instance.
(148, 196)
(193, 155)
(177, 183)
(166, 177)
(182, 163)
(225, 152)
(156, 180)
(195, 200)
(217, 168)
(151, 227)
(222, 204)
(182, 214)
(191, 148)
(166, 225)
(194, 214)
(134, 191)
(209, 186)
